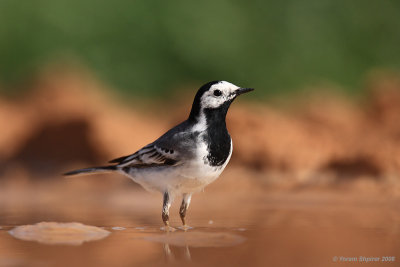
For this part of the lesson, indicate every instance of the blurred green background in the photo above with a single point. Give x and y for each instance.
(148, 48)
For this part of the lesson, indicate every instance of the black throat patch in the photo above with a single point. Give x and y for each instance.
(217, 136)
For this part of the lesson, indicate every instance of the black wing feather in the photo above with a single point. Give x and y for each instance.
(119, 160)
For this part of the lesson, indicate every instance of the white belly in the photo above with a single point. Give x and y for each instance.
(190, 177)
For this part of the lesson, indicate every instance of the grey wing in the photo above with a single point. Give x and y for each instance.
(150, 155)
(170, 149)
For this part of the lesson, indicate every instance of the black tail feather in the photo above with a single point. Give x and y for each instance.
(118, 160)
(93, 170)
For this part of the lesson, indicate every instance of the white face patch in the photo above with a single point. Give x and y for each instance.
(218, 94)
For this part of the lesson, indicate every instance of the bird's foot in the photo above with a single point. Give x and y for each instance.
(168, 228)
(185, 227)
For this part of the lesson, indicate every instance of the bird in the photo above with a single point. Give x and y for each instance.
(187, 157)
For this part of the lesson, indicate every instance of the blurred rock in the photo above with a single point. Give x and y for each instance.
(55, 145)
(53, 233)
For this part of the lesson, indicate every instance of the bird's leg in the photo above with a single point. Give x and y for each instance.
(167, 201)
(182, 211)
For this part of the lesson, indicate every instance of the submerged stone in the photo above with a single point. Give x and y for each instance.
(54, 233)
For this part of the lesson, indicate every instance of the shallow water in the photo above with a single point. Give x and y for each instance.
(271, 229)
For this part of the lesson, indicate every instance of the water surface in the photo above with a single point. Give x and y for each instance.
(282, 228)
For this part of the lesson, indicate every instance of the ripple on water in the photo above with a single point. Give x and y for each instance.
(197, 239)
(54, 233)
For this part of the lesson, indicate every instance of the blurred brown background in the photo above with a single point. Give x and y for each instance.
(67, 119)
(315, 171)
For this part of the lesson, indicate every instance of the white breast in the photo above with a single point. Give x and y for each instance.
(190, 177)
(199, 172)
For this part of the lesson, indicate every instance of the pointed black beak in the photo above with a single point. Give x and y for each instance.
(243, 90)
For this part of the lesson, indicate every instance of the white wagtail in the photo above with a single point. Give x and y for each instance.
(189, 156)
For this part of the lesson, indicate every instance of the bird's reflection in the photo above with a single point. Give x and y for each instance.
(187, 254)
(170, 256)
(168, 252)
(189, 239)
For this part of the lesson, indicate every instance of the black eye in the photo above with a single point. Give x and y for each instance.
(217, 92)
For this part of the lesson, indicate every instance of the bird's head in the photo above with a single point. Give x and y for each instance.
(216, 97)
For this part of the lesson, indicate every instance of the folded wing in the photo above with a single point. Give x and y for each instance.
(150, 155)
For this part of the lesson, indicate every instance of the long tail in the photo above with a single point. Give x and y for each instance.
(93, 170)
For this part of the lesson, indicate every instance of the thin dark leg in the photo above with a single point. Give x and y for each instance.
(167, 201)
(165, 209)
(184, 206)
